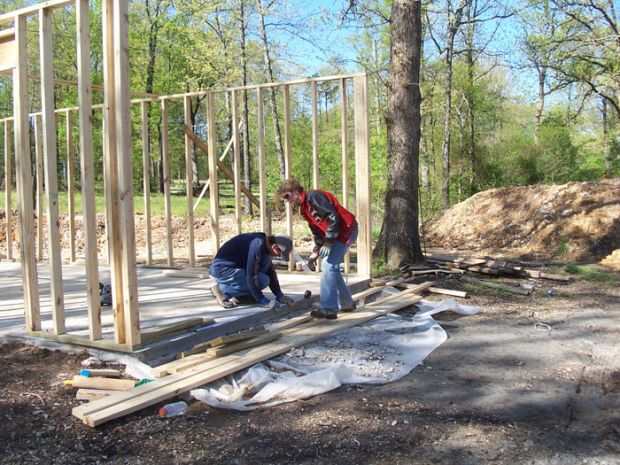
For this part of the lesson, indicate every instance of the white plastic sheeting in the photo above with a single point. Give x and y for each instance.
(381, 351)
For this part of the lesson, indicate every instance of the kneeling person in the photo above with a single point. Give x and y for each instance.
(243, 267)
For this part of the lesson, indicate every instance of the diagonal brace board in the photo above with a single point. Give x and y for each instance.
(118, 405)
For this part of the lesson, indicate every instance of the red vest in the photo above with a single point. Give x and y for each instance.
(347, 219)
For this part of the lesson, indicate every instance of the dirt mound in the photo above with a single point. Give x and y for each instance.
(574, 221)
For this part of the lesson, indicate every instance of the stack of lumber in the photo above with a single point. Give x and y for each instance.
(158, 333)
(96, 383)
(454, 264)
(210, 367)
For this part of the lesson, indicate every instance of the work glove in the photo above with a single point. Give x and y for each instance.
(285, 300)
(325, 250)
(312, 260)
(267, 303)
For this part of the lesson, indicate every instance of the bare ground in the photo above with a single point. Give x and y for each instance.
(500, 390)
(503, 388)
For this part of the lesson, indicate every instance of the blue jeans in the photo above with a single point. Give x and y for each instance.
(234, 281)
(333, 287)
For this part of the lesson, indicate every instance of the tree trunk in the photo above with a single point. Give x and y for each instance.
(541, 72)
(606, 139)
(399, 239)
(470, 98)
(275, 118)
(247, 166)
(447, 122)
(454, 23)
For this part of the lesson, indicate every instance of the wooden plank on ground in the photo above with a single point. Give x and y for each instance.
(121, 404)
(107, 344)
(165, 369)
(451, 292)
(157, 333)
(465, 261)
(92, 394)
(105, 372)
(252, 342)
(199, 359)
(187, 363)
(220, 341)
(97, 382)
(290, 323)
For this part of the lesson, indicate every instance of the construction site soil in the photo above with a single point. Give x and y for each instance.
(502, 389)
(572, 222)
(529, 380)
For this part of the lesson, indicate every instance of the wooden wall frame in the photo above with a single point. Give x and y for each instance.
(118, 169)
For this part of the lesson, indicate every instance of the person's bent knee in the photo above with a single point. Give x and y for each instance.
(263, 280)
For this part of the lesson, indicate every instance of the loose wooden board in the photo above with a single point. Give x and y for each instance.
(121, 404)
(252, 342)
(110, 384)
(92, 394)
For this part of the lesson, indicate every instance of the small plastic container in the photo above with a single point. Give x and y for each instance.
(174, 409)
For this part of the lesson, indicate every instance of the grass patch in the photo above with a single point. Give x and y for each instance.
(562, 247)
(178, 203)
(593, 273)
(473, 288)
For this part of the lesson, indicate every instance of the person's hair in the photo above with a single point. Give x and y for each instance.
(284, 243)
(289, 185)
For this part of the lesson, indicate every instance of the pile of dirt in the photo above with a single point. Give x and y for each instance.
(574, 221)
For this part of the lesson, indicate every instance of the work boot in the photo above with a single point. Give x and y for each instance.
(349, 308)
(105, 294)
(318, 312)
(222, 298)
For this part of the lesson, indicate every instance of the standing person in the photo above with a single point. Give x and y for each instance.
(334, 229)
(242, 266)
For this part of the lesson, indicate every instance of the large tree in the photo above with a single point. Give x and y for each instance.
(399, 239)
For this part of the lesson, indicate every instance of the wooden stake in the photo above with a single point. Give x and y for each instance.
(125, 178)
(166, 181)
(315, 135)
(362, 176)
(146, 175)
(189, 183)
(24, 180)
(40, 195)
(215, 193)
(287, 166)
(8, 188)
(236, 162)
(111, 189)
(70, 185)
(260, 148)
(87, 163)
(48, 121)
(344, 137)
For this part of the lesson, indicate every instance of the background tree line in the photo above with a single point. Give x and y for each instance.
(511, 92)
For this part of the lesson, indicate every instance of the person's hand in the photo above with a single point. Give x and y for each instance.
(267, 303)
(314, 256)
(285, 300)
(325, 250)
